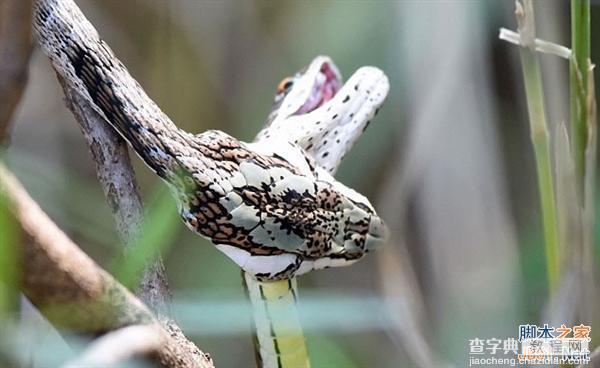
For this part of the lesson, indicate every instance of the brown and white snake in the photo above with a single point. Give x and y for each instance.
(272, 205)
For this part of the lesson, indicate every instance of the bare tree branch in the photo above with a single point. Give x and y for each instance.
(73, 292)
(15, 48)
(113, 169)
(117, 178)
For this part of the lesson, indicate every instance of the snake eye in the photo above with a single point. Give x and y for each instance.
(285, 85)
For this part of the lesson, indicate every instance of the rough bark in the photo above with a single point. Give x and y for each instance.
(108, 150)
(120, 346)
(73, 292)
(117, 178)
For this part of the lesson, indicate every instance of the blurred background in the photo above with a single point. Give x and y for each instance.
(448, 163)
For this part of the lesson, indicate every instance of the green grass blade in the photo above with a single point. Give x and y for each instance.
(578, 79)
(540, 138)
(9, 296)
(161, 225)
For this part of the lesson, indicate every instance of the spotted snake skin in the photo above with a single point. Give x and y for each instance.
(272, 205)
(268, 205)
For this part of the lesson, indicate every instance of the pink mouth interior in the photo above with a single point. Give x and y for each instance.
(322, 91)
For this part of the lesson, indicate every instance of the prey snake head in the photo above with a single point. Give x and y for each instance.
(323, 115)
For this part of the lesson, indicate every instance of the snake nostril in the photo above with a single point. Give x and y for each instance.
(377, 228)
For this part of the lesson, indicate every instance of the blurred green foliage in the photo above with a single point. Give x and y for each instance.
(9, 297)
(157, 236)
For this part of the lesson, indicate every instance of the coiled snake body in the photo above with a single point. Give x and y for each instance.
(271, 206)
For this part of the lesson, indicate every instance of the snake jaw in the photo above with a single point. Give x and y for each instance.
(326, 125)
(317, 84)
(327, 82)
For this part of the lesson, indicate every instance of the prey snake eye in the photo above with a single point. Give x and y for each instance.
(285, 84)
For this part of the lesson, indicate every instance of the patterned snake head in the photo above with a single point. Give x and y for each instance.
(314, 221)
(273, 211)
(323, 116)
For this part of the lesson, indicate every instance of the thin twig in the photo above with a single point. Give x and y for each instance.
(74, 293)
(539, 45)
(15, 48)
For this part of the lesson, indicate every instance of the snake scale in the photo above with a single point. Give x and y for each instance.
(272, 206)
